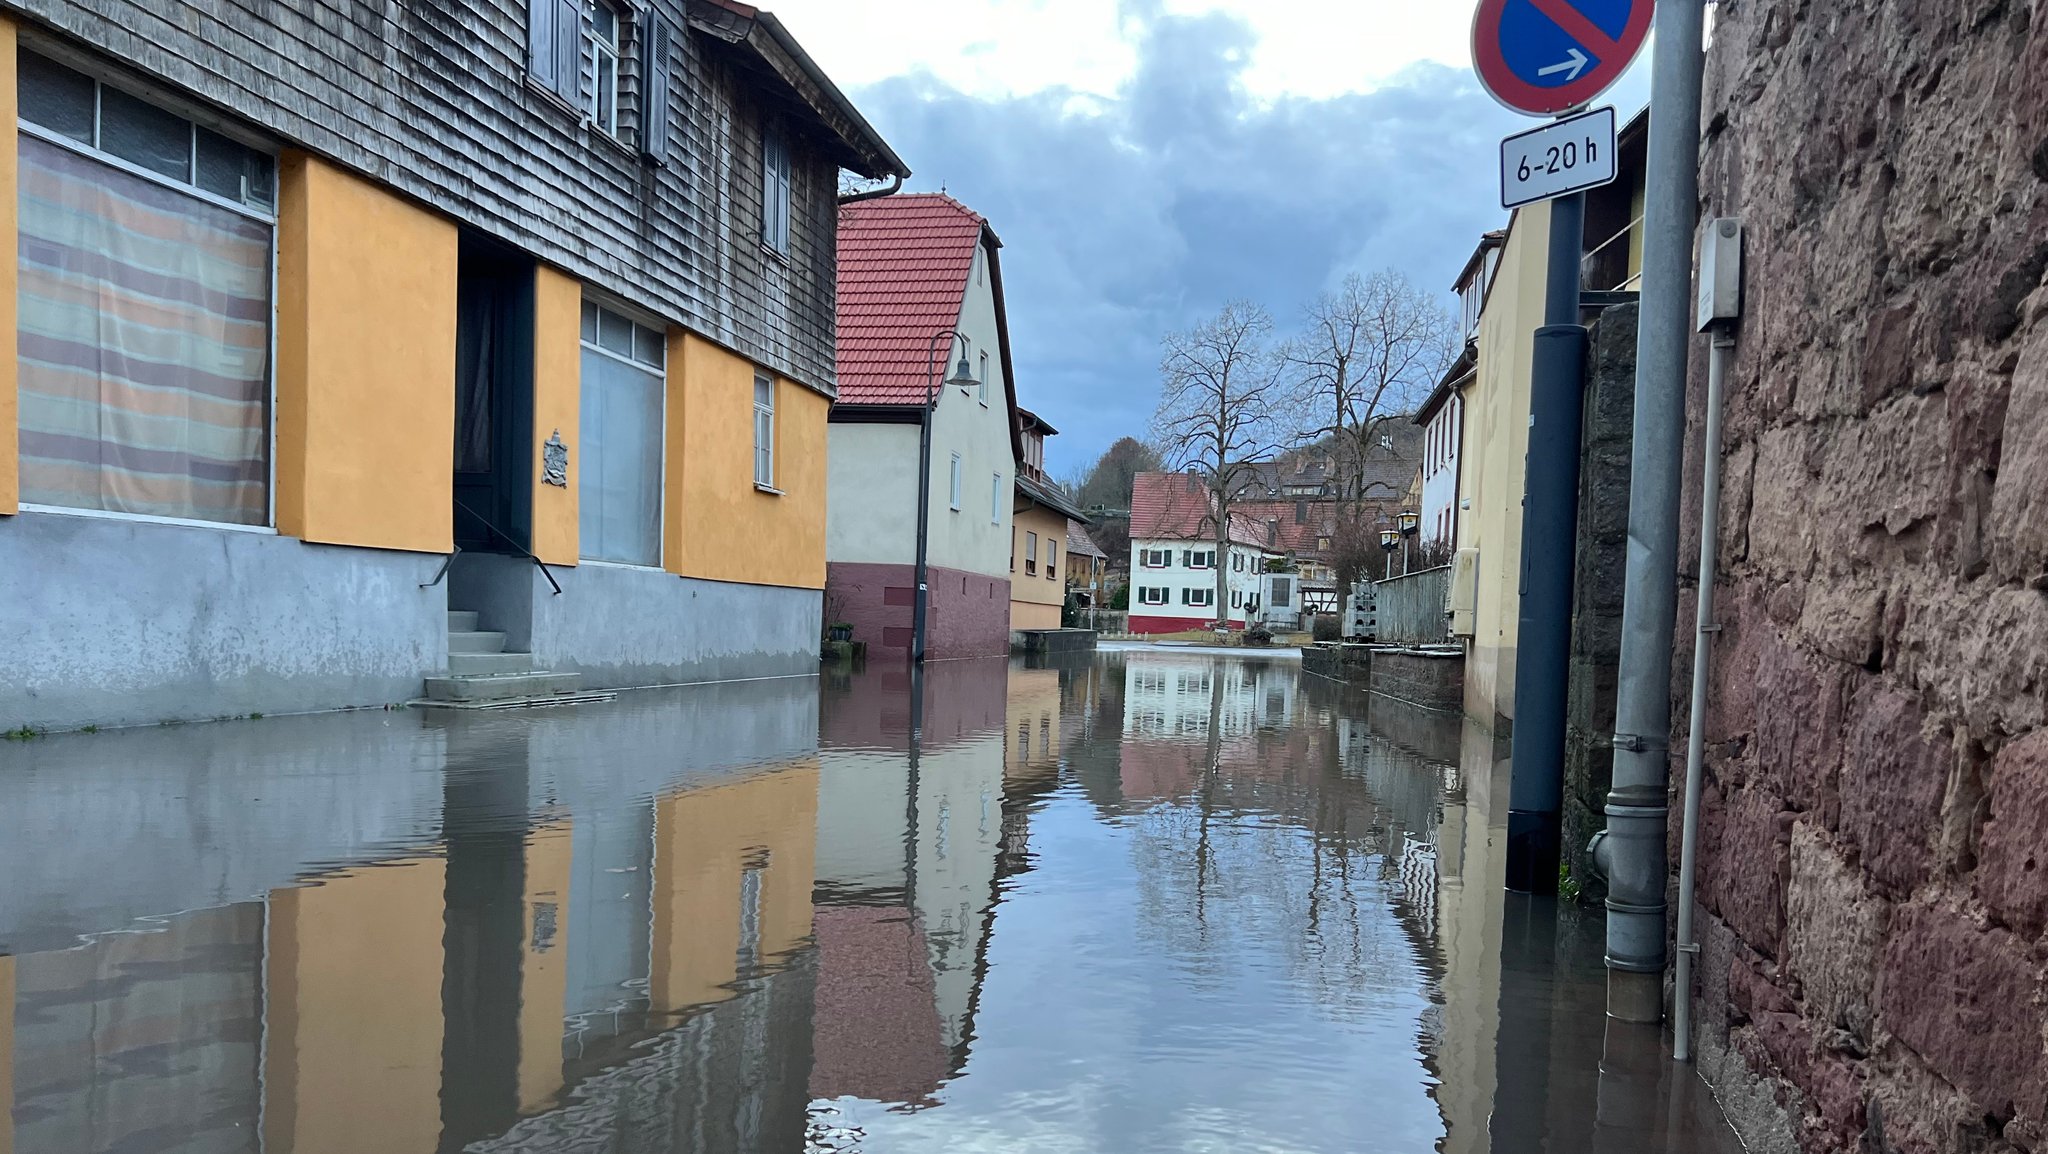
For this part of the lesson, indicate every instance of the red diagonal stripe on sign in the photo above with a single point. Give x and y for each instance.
(1576, 26)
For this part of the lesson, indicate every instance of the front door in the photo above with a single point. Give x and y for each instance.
(493, 400)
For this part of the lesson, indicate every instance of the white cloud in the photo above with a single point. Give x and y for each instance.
(993, 49)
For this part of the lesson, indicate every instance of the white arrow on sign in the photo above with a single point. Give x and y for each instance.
(1573, 67)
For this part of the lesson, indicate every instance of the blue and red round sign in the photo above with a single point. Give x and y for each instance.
(1543, 57)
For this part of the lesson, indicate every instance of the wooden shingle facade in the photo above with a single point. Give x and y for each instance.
(435, 99)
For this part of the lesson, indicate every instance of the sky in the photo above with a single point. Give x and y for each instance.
(1147, 161)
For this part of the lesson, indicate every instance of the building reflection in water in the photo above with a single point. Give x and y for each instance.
(1135, 902)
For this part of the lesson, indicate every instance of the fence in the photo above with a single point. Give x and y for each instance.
(1411, 608)
(1105, 622)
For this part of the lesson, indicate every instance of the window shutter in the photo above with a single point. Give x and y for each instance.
(654, 88)
(568, 45)
(540, 41)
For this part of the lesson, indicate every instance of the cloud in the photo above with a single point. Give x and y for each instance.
(1129, 214)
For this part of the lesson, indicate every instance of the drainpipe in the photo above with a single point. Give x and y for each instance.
(1636, 805)
(1720, 306)
(924, 524)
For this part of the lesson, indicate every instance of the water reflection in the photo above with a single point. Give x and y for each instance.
(1142, 902)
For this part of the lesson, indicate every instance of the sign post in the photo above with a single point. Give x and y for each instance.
(1542, 58)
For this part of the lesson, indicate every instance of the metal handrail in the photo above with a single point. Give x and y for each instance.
(502, 536)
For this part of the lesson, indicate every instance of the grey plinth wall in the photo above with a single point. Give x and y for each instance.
(112, 622)
(622, 627)
(1601, 566)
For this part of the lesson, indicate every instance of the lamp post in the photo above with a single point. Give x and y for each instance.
(1390, 540)
(1411, 523)
(963, 377)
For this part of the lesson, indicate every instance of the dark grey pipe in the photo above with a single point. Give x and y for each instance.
(1550, 520)
(1637, 810)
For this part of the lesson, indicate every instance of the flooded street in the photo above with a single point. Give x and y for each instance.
(1144, 901)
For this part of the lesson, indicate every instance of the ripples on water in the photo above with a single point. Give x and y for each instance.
(1141, 902)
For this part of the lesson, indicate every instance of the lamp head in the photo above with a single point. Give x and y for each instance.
(963, 374)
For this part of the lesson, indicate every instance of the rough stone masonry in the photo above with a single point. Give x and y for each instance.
(1874, 875)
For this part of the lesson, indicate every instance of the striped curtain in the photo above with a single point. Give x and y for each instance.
(145, 345)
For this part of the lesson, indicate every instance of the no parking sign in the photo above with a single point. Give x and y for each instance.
(1543, 57)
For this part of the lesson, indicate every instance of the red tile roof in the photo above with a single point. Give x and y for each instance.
(904, 262)
(1285, 533)
(1177, 507)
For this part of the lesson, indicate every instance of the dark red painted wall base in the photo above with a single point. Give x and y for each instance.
(1149, 625)
(969, 614)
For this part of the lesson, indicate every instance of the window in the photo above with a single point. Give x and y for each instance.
(1323, 543)
(145, 258)
(1148, 596)
(1052, 559)
(984, 378)
(1236, 599)
(764, 431)
(995, 500)
(1030, 554)
(1237, 562)
(619, 481)
(775, 166)
(1198, 598)
(1199, 558)
(955, 490)
(601, 50)
(1155, 558)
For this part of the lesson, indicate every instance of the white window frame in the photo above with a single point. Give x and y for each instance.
(189, 188)
(955, 488)
(1198, 598)
(1052, 559)
(1030, 554)
(1146, 595)
(1145, 559)
(984, 378)
(591, 344)
(1203, 560)
(776, 182)
(764, 431)
(995, 500)
(599, 51)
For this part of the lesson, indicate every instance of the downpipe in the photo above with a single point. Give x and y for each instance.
(1702, 654)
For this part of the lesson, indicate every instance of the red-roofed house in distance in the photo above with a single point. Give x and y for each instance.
(1174, 557)
(911, 267)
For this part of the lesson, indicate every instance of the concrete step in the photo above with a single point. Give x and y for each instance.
(470, 641)
(489, 664)
(460, 621)
(516, 685)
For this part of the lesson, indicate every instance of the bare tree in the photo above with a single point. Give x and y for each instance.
(1370, 352)
(1223, 404)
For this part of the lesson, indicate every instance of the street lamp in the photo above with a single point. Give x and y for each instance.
(1411, 523)
(1390, 540)
(963, 376)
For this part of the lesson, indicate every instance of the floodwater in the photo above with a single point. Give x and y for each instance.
(1145, 901)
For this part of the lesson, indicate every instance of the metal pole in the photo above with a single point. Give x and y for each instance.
(1637, 810)
(924, 491)
(1550, 520)
(1696, 745)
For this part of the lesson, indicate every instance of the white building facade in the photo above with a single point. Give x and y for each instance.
(1173, 585)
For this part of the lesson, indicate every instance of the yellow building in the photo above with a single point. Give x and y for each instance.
(1039, 560)
(289, 378)
(1504, 295)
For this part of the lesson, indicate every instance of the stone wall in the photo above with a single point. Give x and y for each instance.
(1431, 679)
(1876, 813)
(1599, 571)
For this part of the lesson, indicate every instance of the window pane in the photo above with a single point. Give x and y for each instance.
(605, 23)
(55, 97)
(142, 133)
(614, 333)
(233, 171)
(159, 406)
(764, 392)
(619, 481)
(647, 346)
(590, 322)
(607, 92)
